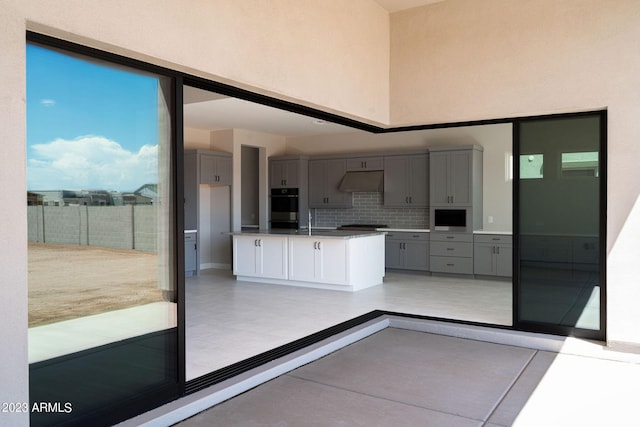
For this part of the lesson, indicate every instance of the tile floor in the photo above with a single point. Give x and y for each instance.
(400, 377)
(228, 321)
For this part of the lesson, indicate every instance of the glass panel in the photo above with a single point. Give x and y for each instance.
(559, 223)
(102, 324)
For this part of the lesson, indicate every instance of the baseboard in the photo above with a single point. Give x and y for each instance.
(216, 265)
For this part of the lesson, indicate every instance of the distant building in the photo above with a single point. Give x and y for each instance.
(34, 199)
(145, 195)
(148, 191)
(74, 197)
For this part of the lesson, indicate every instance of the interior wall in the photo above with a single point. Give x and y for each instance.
(250, 185)
(197, 139)
(453, 61)
(268, 145)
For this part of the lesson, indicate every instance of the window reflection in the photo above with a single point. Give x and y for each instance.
(102, 327)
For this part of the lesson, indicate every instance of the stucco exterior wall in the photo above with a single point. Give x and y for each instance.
(280, 47)
(453, 61)
(450, 61)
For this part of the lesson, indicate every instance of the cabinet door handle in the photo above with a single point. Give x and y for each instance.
(450, 265)
(319, 247)
(365, 165)
(410, 199)
(498, 250)
(450, 237)
(450, 249)
(255, 242)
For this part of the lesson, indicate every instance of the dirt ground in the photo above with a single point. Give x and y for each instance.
(66, 282)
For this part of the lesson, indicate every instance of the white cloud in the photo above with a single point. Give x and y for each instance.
(48, 102)
(90, 162)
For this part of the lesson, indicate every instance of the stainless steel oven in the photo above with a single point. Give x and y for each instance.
(284, 208)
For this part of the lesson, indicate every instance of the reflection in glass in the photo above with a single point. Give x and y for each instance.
(531, 166)
(580, 164)
(560, 223)
(102, 324)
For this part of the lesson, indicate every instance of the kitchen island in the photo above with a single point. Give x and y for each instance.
(326, 259)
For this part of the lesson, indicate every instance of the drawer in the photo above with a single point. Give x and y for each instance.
(451, 237)
(492, 238)
(451, 249)
(454, 265)
(403, 235)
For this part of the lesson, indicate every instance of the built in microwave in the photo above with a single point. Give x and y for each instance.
(450, 219)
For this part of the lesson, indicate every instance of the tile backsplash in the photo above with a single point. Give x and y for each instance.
(368, 208)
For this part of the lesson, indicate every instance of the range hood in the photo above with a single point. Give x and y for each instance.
(362, 182)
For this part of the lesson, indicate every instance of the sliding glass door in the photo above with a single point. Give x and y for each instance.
(560, 228)
(103, 341)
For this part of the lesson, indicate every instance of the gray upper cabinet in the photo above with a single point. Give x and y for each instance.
(324, 178)
(215, 169)
(406, 181)
(284, 173)
(374, 163)
(451, 178)
(202, 167)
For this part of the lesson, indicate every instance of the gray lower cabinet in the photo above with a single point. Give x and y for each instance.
(190, 254)
(492, 255)
(406, 181)
(408, 251)
(451, 253)
(324, 179)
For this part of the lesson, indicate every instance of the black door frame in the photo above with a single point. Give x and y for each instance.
(601, 333)
(180, 79)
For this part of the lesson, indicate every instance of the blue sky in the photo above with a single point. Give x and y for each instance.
(89, 126)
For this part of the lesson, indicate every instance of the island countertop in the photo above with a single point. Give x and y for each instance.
(315, 233)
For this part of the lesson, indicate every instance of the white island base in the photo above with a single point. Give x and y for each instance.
(328, 260)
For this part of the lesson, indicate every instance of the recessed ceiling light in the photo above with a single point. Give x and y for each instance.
(319, 122)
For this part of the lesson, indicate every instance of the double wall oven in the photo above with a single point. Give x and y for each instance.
(285, 208)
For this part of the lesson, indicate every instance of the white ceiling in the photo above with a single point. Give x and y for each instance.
(212, 111)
